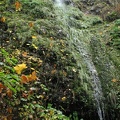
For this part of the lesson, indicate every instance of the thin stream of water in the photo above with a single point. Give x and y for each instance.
(91, 67)
(74, 36)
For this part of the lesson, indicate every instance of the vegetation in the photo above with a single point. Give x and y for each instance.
(43, 76)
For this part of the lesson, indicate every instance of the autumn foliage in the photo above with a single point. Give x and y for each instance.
(1, 87)
(20, 67)
(29, 78)
(18, 6)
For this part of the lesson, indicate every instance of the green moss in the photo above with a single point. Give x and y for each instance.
(115, 35)
(59, 38)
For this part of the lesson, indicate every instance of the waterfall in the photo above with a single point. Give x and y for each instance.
(74, 36)
(59, 2)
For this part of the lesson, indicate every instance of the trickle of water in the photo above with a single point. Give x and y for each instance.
(96, 82)
(74, 36)
(59, 2)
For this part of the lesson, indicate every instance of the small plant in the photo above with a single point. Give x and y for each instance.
(9, 84)
(115, 35)
(7, 74)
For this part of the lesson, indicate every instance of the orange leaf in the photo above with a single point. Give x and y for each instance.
(2, 19)
(32, 76)
(9, 93)
(17, 6)
(24, 79)
(31, 24)
(24, 54)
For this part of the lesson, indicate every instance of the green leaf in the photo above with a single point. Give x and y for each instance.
(49, 106)
(5, 54)
(23, 99)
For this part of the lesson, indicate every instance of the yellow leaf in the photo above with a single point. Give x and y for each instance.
(40, 62)
(35, 46)
(41, 96)
(34, 37)
(62, 50)
(63, 99)
(32, 68)
(19, 68)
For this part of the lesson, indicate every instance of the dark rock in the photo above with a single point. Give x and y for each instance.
(3, 26)
(67, 2)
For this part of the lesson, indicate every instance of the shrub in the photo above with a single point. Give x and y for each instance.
(22, 101)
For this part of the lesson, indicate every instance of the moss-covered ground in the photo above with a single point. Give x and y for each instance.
(42, 71)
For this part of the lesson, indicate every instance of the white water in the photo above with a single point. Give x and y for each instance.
(59, 3)
(74, 36)
(96, 85)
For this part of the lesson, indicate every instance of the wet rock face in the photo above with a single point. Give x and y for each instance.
(88, 2)
(97, 9)
(67, 2)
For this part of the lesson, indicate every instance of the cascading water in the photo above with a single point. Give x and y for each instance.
(74, 37)
(59, 2)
